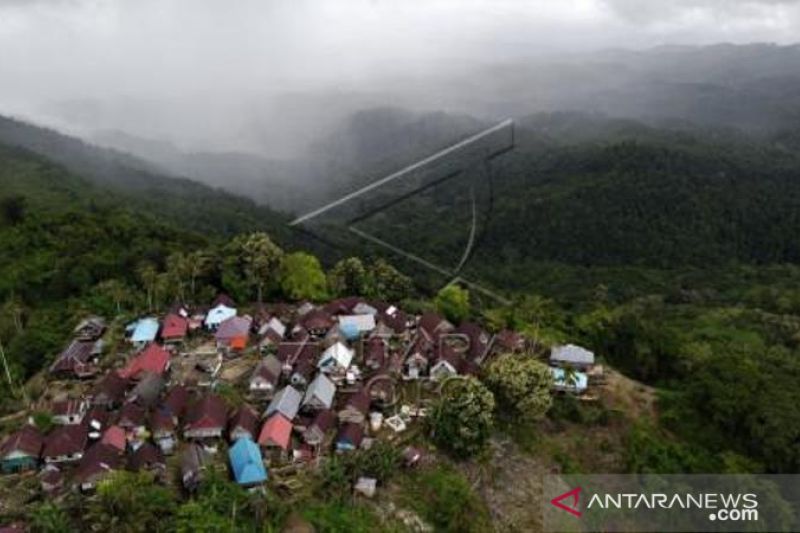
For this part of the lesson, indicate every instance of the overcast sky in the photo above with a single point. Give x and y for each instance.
(60, 50)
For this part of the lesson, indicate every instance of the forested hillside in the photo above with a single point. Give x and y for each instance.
(178, 200)
(63, 239)
(586, 191)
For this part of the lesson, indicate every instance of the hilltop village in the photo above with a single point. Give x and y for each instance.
(256, 392)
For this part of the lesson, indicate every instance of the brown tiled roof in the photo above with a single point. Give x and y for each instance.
(112, 387)
(246, 418)
(131, 415)
(448, 353)
(351, 432)
(429, 322)
(317, 319)
(509, 340)
(289, 351)
(269, 369)
(65, 440)
(359, 401)
(223, 299)
(306, 362)
(176, 400)
(67, 407)
(478, 338)
(146, 456)
(324, 420)
(27, 440)
(208, 412)
(342, 305)
(161, 420)
(98, 460)
(375, 352)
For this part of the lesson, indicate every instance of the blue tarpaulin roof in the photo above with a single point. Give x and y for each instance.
(246, 462)
(145, 331)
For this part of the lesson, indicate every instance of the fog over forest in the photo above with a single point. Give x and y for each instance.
(268, 78)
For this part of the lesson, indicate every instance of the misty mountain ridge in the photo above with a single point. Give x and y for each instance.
(753, 87)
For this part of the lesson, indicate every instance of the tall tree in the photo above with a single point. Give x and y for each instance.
(462, 418)
(387, 283)
(200, 263)
(251, 262)
(117, 291)
(348, 277)
(148, 276)
(521, 386)
(302, 277)
(453, 302)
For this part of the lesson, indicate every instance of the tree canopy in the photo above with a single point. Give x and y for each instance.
(462, 418)
(521, 385)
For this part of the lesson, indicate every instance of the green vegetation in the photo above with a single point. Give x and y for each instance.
(251, 262)
(49, 518)
(445, 499)
(335, 480)
(334, 517)
(302, 277)
(130, 502)
(521, 386)
(462, 418)
(348, 277)
(378, 280)
(453, 302)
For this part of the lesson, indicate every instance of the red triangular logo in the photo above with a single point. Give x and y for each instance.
(571, 508)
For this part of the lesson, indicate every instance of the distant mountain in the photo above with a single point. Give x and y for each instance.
(366, 145)
(182, 201)
(277, 183)
(751, 87)
(587, 190)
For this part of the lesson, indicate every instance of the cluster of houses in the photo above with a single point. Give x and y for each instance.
(323, 380)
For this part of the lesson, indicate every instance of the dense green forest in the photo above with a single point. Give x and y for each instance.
(61, 238)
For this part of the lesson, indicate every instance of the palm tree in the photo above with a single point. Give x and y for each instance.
(199, 264)
(149, 279)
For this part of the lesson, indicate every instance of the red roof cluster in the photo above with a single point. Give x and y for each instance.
(174, 327)
(153, 359)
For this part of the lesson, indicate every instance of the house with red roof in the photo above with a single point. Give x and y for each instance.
(276, 432)
(206, 418)
(20, 450)
(153, 359)
(114, 436)
(174, 328)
